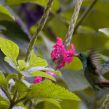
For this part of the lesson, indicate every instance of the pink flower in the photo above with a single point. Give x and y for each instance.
(51, 73)
(60, 55)
(37, 79)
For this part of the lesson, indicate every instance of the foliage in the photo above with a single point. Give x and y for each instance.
(17, 75)
(34, 67)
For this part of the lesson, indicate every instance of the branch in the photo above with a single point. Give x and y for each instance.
(15, 102)
(73, 22)
(84, 15)
(22, 99)
(39, 28)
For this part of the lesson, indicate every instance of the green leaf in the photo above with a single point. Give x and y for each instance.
(64, 105)
(74, 65)
(52, 101)
(2, 98)
(55, 6)
(5, 14)
(43, 74)
(9, 48)
(3, 81)
(47, 89)
(21, 88)
(58, 73)
(22, 64)
(4, 104)
(16, 33)
(37, 61)
(11, 76)
(10, 62)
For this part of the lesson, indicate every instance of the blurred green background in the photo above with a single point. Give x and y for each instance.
(18, 21)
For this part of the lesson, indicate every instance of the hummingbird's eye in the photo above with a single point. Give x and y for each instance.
(80, 54)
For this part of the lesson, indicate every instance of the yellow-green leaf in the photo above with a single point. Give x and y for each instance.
(9, 48)
(43, 74)
(37, 61)
(3, 81)
(5, 14)
(22, 64)
(48, 89)
(74, 65)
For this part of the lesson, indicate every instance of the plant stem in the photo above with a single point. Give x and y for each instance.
(13, 103)
(73, 22)
(24, 98)
(84, 15)
(39, 28)
(15, 95)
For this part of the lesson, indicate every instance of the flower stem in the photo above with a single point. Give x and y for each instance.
(84, 15)
(39, 28)
(73, 22)
(13, 103)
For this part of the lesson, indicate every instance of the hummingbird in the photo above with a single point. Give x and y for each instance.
(94, 70)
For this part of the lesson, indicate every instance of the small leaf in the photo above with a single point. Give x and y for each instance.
(3, 81)
(10, 62)
(47, 89)
(21, 88)
(22, 64)
(57, 72)
(27, 73)
(9, 48)
(4, 103)
(74, 65)
(3, 95)
(12, 76)
(37, 61)
(5, 14)
(43, 74)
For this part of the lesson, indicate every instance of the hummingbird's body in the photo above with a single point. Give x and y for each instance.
(93, 70)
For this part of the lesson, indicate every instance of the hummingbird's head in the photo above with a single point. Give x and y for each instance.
(82, 57)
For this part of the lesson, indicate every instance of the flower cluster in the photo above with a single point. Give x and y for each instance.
(39, 79)
(60, 55)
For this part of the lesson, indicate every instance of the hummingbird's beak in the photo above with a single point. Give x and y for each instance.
(76, 54)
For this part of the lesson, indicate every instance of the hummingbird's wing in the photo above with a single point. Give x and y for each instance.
(98, 68)
(105, 68)
(95, 60)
